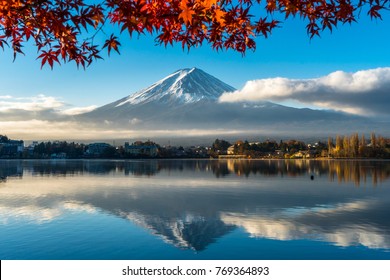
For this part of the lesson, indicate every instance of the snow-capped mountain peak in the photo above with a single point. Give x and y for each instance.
(188, 99)
(184, 86)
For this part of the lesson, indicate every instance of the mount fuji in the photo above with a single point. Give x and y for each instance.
(189, 99)
(182, 87)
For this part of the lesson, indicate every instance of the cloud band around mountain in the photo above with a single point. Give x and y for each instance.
(365, 92)
(40, 107)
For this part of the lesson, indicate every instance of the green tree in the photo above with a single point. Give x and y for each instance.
(363, 146)
(220, 146)
(4, 139)
(346, 146)
(354, 145)
(373, 140)
(339, 146)
(330, 146)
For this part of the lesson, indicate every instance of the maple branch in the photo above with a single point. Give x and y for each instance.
(57, 27)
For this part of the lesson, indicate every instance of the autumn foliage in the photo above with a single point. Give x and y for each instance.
(66, 30)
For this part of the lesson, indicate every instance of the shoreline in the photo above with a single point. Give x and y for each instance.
(193, 158)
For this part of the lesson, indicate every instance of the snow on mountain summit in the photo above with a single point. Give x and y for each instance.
(189, 99)
(182, 87)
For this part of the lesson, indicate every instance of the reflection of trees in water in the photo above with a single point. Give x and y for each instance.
(8, 169)
(220, 168)
(74, 167)
(53, 168)
(358, 171)
(139, 168)
(340, 170)
(337, 170)
(260, 167)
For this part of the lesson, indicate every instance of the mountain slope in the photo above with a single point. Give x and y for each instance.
(175, 94)
(182, 87)
(188, 99)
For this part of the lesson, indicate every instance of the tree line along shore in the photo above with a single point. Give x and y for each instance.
(349, 146)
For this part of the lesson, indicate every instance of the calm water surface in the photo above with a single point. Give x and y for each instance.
(195, 209)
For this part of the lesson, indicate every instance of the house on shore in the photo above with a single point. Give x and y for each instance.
(141, 150)
(11, 148)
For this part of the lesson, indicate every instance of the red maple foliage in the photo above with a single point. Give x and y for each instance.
(64, 30)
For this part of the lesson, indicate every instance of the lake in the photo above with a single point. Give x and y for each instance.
(194, 209)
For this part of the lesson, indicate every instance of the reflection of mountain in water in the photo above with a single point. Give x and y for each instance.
(186, 219)
(193, 216)
(189, 232)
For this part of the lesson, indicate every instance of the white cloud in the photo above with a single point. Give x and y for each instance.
(365, 92)
(34, 103)
(39, 107)
(30, 213)
(33, 129)
(59, 130)
(78, 110)
(285, 225)
(134, 121)
(5, 96)
(282, 229)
